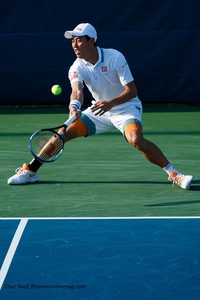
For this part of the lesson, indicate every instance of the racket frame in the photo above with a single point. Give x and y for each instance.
(60, 136)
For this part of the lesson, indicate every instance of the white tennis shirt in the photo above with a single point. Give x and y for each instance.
(106, 78)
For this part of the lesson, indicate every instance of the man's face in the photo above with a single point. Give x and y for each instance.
(80, 46)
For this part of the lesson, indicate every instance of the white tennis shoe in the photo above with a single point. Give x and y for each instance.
(23, 175)
(184, 181)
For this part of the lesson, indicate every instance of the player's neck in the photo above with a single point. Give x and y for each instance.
(93, 56)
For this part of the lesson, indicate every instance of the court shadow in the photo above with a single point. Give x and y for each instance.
(98, 182)
(195, 184)
(173, 203)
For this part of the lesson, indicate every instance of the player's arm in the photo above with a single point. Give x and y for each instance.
(130, 92)
(76, 99)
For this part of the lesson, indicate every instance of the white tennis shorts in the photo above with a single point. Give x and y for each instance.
(117, 117)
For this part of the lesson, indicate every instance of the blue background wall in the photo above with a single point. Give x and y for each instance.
(160, 40)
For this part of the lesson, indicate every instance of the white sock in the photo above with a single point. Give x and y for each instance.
(169, 169)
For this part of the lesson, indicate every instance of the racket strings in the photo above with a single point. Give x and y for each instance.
(47, 145)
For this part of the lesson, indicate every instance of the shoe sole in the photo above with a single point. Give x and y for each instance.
(10, 182)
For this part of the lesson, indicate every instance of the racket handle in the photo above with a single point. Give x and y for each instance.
(70, 120)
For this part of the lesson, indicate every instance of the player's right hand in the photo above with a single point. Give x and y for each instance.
(74, 111)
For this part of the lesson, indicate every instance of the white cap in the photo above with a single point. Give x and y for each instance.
(81, 30)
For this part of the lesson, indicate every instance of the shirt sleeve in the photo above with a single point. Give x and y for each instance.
(123, 70)
(74, 74)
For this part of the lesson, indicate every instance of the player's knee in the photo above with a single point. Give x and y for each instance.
(135, 138)
(133, 134)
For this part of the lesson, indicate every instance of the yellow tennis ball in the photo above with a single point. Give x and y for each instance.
(56, 89)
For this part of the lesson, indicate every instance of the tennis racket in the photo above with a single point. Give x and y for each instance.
(47, 144)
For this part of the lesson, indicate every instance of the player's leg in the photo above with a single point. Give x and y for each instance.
(76, 129)
(128, 121)
(88, 124)
(28, 172)
(150, 151)
(154, 155)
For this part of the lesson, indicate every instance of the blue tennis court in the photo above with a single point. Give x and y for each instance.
(100, 258)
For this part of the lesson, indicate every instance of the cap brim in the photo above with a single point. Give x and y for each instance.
(69, 34)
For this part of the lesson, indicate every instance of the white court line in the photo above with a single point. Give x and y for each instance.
(105, 218)
(11, 251)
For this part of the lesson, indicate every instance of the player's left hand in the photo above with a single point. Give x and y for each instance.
(100, 107)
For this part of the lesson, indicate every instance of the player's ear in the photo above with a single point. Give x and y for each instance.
(90, 40)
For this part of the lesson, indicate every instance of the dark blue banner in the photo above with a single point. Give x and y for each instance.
(160, 39)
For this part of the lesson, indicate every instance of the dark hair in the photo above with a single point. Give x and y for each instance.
(88, 38)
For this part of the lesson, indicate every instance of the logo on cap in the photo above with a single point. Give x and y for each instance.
(79, 29)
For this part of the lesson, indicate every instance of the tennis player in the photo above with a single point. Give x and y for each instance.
(106, 74)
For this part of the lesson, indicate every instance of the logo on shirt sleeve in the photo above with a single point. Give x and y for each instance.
(124, 65)
(73, 75)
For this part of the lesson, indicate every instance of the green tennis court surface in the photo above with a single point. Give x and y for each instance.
(102, 176)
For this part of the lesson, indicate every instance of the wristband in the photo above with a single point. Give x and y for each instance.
(76, 104)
